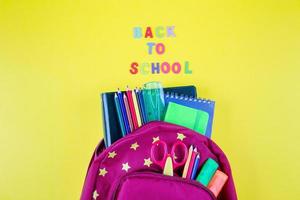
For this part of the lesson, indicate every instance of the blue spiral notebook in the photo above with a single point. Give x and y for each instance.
(198, 112)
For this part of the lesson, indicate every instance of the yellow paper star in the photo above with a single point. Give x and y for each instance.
(147, 162)
(125, 167)
(155, 139)
(112, 154)
(180, 136)
(102, 172)
(95, 195)
(134, 146)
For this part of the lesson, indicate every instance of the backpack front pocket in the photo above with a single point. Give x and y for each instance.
(153, 186)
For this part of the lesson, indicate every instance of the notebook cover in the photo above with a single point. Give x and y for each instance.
(194, 119)
(200, 104)
(112, 129)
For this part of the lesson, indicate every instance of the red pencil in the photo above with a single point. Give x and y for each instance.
(191, 165)
(131, 107)
(128, 112)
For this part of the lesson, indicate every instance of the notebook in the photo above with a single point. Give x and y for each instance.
(112, 129)
(198, 113)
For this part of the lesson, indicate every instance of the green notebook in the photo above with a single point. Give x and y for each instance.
(187, 117)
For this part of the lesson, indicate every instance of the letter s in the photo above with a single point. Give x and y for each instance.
(134, 68)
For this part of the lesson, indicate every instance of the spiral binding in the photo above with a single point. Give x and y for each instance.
(187, 98)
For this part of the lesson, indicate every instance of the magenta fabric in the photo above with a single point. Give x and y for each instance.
(123, 171)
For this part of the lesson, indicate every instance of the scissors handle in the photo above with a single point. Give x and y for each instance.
(180, 147)
(159, 153)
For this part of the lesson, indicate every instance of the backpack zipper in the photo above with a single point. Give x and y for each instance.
(156, 175)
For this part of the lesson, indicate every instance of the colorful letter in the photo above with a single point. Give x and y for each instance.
(165, 67)
(160, 48)
(134, 68)
(176, 67)
(170, 31)
(145, 68)
(155, 70)
(159, 32)
(137, 32)
(186, 68)
(150, 45)
(148, 32)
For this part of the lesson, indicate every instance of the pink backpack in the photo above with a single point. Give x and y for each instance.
(124, 170)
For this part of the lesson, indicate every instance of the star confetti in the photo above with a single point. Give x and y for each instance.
(155, 139)
(112, 154)
(95, 195)
(180, 136)
(125, 167)
(147, 162)
(134, 146)
(102, 172)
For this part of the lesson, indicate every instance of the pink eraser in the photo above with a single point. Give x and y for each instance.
(217, 182)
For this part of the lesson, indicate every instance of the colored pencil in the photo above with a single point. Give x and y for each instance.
(135, 103)
(132, 108)
(120, 117)
(191, 165)
(186, 166)
(128, 112)
(195, 168)
(123, 110)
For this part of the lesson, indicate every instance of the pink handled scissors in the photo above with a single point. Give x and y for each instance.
(160, 155)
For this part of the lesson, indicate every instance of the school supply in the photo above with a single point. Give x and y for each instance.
(136, 109)
(141, 105)
(120, 172)
(195, 167)
(191, 165)
(128, 114)
(202, 120)
(123, 111)
(111, 127)
(186, 166)
(168, 161)
(217, 182)
(207, 172)
(120, 117)
(190, 117)
(154, 101)
(130, 98)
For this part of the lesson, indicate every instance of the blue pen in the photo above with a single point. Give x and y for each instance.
(195, 167)
(123, 110)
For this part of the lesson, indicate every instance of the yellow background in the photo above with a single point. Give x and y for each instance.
(57, 56)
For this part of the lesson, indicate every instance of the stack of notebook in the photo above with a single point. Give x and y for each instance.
(125, 111)
(111, 119)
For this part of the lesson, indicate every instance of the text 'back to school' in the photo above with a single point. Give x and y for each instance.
(157, 48)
